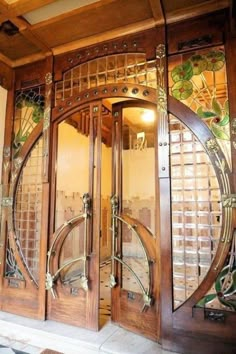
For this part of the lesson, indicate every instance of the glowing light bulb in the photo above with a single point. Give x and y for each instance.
(148, 116)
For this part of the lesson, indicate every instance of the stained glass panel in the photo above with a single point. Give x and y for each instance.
(199, 81)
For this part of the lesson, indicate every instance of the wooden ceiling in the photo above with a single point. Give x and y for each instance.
(30, 30)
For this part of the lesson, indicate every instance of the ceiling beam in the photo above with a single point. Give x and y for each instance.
(6, 60)
(30, 59)
(21, 7)
(105, 36)
(71, 13)
(196, 10)
(25, 30)
(3, 6)
(157, 12)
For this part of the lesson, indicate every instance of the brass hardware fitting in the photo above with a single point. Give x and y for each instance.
(229, 200)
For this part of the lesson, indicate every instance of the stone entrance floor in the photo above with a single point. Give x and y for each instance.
(33, 337)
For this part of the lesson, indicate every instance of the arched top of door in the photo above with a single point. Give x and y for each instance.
(122, 91)
(142, 94)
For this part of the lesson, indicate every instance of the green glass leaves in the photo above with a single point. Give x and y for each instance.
(182, 72)
(37, 114)
(215, 60)
(218, 132)
(191, 82)
(206, 299)
(182, 90)
(199, 64)
(217, 119)
(181, 75)
(206, 114)
(29, 106)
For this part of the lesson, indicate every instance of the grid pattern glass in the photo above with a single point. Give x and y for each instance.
(28, 208)
(120, 68)
(196, 211)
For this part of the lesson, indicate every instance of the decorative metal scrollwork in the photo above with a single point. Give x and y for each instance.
(115, 257)
(229, 201)
(82, 278)
(225, 284)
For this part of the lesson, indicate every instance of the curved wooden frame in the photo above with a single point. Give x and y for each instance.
(194, 123)
(145, 95)
(23, 155)
(200, 130)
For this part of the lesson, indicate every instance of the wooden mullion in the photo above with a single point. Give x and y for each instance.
(6, 178)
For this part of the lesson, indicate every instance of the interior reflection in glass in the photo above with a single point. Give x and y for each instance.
(138, 183)
(72, 183)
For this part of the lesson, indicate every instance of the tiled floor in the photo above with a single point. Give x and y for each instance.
(32, 336)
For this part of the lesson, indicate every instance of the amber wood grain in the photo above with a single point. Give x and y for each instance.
(43, 251)
(142, 41)
(81, 309)
(146, 323)
(5, 179)
(185, 330)
(179, 13)
(31, 75)
(230, 48)
(106, 18)
(212, 26)
(6, 75)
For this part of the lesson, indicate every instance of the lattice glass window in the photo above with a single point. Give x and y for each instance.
(119, 68)
(196, 211)
(28, 208)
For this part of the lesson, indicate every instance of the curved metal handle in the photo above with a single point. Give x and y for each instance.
(51, 278)
(147, 296)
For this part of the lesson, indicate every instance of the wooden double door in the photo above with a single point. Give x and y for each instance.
(103, 214)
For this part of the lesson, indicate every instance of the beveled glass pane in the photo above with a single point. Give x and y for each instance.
(92, 67)
(121, 61)
(197, 217)
(102, 65)
(131, 68)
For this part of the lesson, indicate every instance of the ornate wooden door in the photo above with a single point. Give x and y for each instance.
(134, 269)
(72, 278)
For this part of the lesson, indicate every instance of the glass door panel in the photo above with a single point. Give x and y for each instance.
(71, 184)
(138, 194)
(73, 256)
(134, 271)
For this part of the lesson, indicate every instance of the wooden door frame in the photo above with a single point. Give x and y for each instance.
(177, 323)
(191, 120)
(90, 318)
(119, 295)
